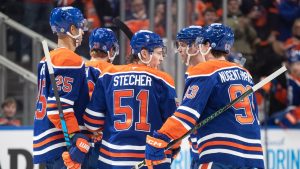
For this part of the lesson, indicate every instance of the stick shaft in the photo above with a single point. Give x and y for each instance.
(53, 83)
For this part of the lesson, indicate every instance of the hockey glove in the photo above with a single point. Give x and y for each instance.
(69, 163)
(79, 148)
(155, 149)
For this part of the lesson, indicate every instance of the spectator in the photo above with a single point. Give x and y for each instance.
(9, 109)
(138, 10)
(289, 10)
(295, 39)
(290, 116)
(210, 16)
(245, 34)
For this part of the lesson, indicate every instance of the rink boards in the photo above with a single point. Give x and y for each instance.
(283, 149)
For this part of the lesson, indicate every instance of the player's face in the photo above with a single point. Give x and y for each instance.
(181, 48)
(157, 58)
(77, 33)
(295, 69)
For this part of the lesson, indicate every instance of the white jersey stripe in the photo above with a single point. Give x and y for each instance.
(40, 152)
(236, 153)
(125, 163)
(93, 113)
(226, 135)
(70, 102)
(190, 110)
(69, 110)
(122, 147)
(45, 133)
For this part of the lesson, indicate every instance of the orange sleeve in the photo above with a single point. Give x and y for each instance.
(173, 128)
(71, 121)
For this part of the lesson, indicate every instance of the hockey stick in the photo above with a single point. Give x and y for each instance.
(53, 83)
(223, 109)
(123, 27)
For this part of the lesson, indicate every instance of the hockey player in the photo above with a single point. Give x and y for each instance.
(186, 47)
(290, 117)
(104, 48)
(191, 56)
(229, 141)
(49, 145)
(131, 101)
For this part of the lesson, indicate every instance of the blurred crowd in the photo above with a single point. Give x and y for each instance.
(265, 31)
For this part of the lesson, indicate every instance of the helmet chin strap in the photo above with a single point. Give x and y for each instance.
(76, 37)
(189, 55)
(202, 52)
(145, 62)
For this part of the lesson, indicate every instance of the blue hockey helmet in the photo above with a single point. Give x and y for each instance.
(62, 18)
(293, 54)
(189, 34)
(145, 39)
(219, 36)
(103, 39)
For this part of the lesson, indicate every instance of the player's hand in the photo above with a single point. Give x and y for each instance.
(97, 136)
(79, 148)
(155, 149)
(69, 163)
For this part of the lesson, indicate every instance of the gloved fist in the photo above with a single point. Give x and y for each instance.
(69, 163)
(79, 148)
(155, 148)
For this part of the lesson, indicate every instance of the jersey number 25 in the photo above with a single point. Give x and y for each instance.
(119, 109)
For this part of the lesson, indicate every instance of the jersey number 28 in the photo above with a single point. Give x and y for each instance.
(119, 109)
